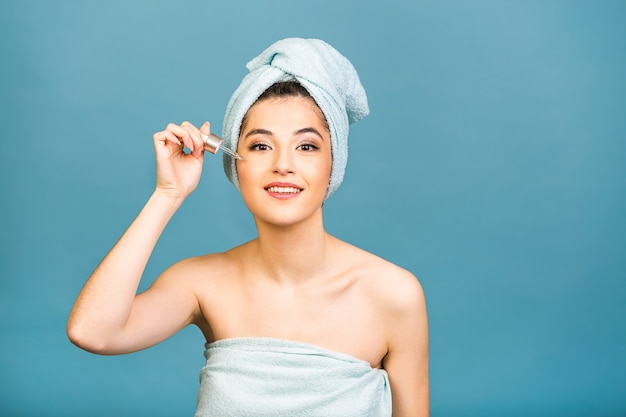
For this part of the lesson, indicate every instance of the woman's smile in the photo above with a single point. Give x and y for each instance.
(283, 190)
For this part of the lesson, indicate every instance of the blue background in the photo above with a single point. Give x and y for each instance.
(491, 166)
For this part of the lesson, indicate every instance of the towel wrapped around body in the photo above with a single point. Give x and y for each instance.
(275, 377)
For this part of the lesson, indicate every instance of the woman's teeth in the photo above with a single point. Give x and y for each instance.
(291, 190)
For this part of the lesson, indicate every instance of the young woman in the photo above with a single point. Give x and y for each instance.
(297, 322)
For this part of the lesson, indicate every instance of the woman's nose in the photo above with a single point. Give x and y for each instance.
(283, 161)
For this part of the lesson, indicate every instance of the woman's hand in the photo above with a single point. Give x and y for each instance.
(178, 173)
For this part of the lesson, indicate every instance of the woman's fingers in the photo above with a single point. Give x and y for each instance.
(166, 136)
(196, 137)
(205, 129)
(185, 135)
(182, 134)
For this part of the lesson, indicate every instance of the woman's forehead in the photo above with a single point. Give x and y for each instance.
(280, 111)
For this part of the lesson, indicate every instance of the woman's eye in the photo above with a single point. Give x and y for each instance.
(259, 147)
(308, 147)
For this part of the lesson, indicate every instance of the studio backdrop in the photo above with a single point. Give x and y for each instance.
(491, 166)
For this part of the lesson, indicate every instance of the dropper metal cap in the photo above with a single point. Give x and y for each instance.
(212, 142)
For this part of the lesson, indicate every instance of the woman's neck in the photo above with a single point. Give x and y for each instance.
(292, 254)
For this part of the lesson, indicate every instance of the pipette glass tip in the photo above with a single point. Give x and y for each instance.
(231, 153)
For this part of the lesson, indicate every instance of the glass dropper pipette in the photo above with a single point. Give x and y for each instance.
(213, 143)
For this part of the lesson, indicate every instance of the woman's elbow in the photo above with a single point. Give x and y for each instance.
(84, 339)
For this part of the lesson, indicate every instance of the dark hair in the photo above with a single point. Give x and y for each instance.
(282, 89)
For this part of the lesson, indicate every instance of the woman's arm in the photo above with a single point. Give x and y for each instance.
(407, 359)
(108, 317)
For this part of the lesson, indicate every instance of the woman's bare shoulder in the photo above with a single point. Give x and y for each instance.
(201, 269)
(391, 285)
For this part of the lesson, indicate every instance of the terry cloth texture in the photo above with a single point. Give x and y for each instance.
(280, 378)
(329, 78)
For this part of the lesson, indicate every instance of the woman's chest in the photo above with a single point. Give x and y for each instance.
(341, 320)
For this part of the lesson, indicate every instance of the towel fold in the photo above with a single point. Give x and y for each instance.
(329, 78)
(274, 377)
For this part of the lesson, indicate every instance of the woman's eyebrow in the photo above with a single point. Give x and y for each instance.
(309, 130)
(258, 132)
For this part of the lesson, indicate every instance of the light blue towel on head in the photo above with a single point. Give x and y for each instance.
(329, 78)
(266, 377)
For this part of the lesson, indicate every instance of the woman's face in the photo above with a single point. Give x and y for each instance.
(285, 171)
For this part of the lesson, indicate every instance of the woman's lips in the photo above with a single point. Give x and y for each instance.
(282, 190)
